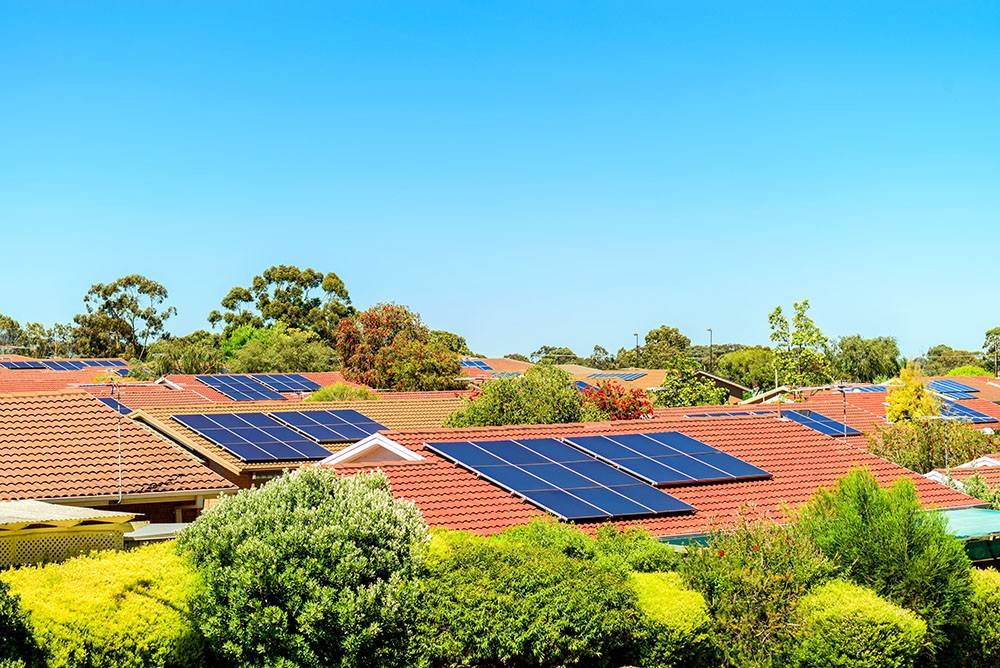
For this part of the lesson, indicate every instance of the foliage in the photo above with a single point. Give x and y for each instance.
(125, 609)
(555, 355)
(280, 349)
(991, 346)
(708, 357)
(677, 629)
(799, 351)
(681, 387)
(941, 359)
(849, 626)
(450, 341)
(34, 339)
(751, 367)
(501, 603)
(970, 370)
(123, 317)
(883, 539)
(195, 353)
(753, 576)
(976, 486)
(303, 299)
(342, 392)
(984, 618)
(18, 643)
(613, 401)
(860, 360)
(911, 399)
(543, 395)
(309, 570)
(600, 358)
(923, 446)
(409, 365)
(516, 356)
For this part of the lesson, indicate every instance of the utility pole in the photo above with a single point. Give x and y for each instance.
(636, 335)
(711, 351)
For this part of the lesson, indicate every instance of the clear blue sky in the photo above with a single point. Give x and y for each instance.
(522, 173)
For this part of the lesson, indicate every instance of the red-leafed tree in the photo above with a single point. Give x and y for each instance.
(617, 402)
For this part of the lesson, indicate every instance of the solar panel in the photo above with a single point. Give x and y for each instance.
(329, 426)
(64, 365)
(668, 458)
(287, 382)
(108, 363)
(869, 388)
(950, 387)
(239, 388)
(476, 364)
(22, 365)
(253, 437)
(821, 423)
(582, 386)
(729, 414)
(965, 414)
(623, 375)
(560, 479)
(115, 404)
(505, 374)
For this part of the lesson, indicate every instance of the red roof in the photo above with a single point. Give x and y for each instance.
(799, 459)
(65, 445)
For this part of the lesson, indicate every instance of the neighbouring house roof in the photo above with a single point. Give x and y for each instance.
(64, 445)
(395, 414)
(145, 395)
(799, 459)
(17, 515)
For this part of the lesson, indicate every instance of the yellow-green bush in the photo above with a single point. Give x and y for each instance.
(849, 626)
(678, 626)
(984, 622)
(121, 609)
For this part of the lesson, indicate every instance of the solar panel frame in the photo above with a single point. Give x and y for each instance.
(253, 437)
(821, 423)
(329, 426)
(240, 387)
(116, 405)
(945, 386)
(966, 414)
(286, 382)
(22, 364)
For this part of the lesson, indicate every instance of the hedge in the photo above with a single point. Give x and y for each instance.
(984, 620)
(678, 627)
(844, 625)
(122, 609)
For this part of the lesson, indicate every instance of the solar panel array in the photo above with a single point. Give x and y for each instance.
(476, 364)
(506, 374)
(115, 404)
(329, 426)
(109, 363)
(560, 479)
(286, 382)
(240, 388)
(22, 365)
(253, 437)
(869, 388)
(668, 458)
(729, 414)
(624, 375)
(64, 365)
(952, 389)
(820, 423)
(965, 414)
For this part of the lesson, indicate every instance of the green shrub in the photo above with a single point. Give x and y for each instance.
(549, 533)
(342, 392)
(752, 577)
(123, 609)
(883, 539)
(636, 549)
(17, 647)
(848, 626)
(309, 570)
(543, 395)
(969, 370)
(489, 602)
(677, 630)
(984, 619)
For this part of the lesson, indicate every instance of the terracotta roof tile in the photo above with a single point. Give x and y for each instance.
(65, 444)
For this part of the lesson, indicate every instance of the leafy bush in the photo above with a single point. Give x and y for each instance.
(342, 392)
(123, 609)
(984, 619)
(752, 577)
(491, 602)
(551, 534)
(883, 539)
(18, 647)
(925, 445)
(911, 399)
(309, 570)
(849, 626)
(969, 370)
(543, 395)
(677, 631)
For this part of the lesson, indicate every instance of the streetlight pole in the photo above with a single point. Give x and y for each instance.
(636, 335)
(711, 351)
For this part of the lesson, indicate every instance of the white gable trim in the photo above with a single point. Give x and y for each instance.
(367, 445)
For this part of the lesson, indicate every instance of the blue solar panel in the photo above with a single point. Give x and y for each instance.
(667, 458)
(560, 478)
(64, 365)
(505, 374)
(108, 363)
(950, 387)
(965, 414)
(475, 364)
(821, 423)
(240, 388)
(253, 437)
(287, 382)
(22, 365)
(115, 404)
(329, 426)
(582, 386)
(624, 375)
(729, 414)
(868, 388)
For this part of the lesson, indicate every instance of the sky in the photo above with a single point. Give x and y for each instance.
(523, 173)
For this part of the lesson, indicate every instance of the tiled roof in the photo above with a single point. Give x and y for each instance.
(800, 460)
(45, 380)
(191, 383)
(413, 414)
(989, 387)
(65, 445)
(135, 395)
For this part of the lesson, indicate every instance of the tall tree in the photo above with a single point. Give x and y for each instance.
(799, 353)
(751, 367)
(555, 355)
(12, 337)
(911, 399)
(941, 359)
(992, 347)
(303, 299)
(861, 360)
(123, 317)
